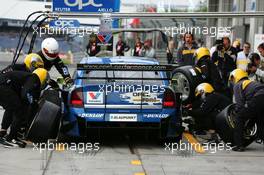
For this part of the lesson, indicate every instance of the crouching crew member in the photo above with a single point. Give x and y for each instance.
(31, 63)
(18, 90)
(209, 104)
(249, 97)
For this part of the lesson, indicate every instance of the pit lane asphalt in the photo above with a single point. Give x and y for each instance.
(122, 156)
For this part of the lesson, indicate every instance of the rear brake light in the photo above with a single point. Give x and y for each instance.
(77, 98)
(169, 100)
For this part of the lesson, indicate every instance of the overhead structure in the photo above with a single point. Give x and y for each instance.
(179, 15)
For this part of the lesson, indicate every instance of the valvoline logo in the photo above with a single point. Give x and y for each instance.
(95, 97)
(104, 38)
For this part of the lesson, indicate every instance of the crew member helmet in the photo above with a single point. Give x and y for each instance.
(42, 75)
(33, 61)
(237, 74)
(50, 48)
(203, 88)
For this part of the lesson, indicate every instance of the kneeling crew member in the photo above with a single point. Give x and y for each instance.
(210, 103)
(249, 97)
(18, 90)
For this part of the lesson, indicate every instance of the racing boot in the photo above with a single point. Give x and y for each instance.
(3, 133)
(238, 148)
(14, 142)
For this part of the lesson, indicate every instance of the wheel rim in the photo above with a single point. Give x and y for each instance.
(250, 129)
(181, 84)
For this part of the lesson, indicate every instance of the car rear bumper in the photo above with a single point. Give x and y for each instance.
(81, 121)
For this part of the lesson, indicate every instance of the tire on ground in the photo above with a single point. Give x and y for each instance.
(190, 79)
(225, 124)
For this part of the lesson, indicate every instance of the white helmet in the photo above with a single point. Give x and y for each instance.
(50, 48)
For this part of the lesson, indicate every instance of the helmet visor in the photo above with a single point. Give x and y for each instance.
(51, 55)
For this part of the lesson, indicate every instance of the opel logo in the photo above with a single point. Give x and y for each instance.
(81, 4)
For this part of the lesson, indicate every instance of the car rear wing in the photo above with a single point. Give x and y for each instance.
(127, 67)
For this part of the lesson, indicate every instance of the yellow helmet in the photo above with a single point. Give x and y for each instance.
(33, 61)
(42, 75)
(203, 88)
(237, 74)
(201, 52)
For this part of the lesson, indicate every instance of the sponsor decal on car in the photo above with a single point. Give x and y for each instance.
(155, 115)
(136, 98)
(91, 115)
(123, 117)
(95, 97)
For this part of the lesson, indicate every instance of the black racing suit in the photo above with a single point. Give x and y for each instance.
(226, 63)
(62, 69)
(57, 62)
(18, 90)
(8, 114)
(249, 105)
(17, 67)
(210, 73)
(205, 110)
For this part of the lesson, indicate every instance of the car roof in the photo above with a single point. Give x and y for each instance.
(119, 60)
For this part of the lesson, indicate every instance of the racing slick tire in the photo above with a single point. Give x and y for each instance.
(52, 96)
(184, 80)
(225, 124)
(45, 124)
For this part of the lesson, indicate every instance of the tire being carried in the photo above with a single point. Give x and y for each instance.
(184, 80)
(225, 125)
(46, 122)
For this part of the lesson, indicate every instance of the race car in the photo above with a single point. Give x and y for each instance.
(122, 92)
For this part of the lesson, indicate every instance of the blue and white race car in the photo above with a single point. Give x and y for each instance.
(122, 92)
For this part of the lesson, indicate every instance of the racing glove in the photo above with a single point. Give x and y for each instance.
(68, 81)
(53, 84)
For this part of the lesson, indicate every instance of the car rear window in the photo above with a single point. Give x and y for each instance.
(120, 76)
